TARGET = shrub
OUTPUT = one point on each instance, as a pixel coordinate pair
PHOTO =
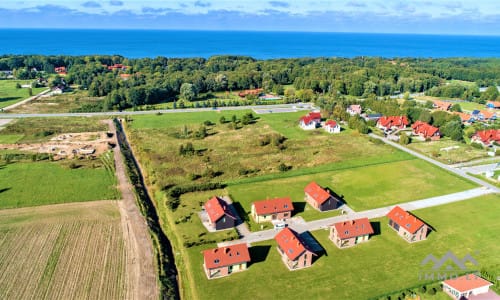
(432, 291)
(283, 168)
(477, 145)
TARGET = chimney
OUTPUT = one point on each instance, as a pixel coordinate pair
(215, 250)
(352, 222)
(227, 250)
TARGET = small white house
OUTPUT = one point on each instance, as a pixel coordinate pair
(354, 109)
(464, 287)
(332, 127)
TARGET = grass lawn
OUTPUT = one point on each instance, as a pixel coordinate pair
(9, 94)
(386, 263)
(363, 187)
(437, 150)
(470, 106)
(30, 130)
(41, 183)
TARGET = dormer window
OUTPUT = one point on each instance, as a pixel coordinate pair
(216, 261)
(286, 206)
(346, 232)
(408, 225)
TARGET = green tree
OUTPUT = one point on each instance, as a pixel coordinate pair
(222, 120)
(456, 107)
(454, 130)
(491, 93)
(188, 91)
(404, 139)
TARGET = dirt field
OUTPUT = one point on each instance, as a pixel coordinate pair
(66, 251)
(68, 145)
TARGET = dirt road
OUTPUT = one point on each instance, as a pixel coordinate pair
(141, 267)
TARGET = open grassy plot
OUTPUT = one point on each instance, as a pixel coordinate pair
(386, 263)
(362, 187)
(40, 183)
(72, 101)
(230, 155)
(43, 129)
(448, 151)
(68, 251)
(9, 94)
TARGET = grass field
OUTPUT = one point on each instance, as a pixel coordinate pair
(437, 150)
(30, 130)
(9, 94)
(386, 263)
(40, 183)
(63, 103)
(69, 251)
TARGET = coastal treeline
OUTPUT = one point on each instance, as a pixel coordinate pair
(155, 80)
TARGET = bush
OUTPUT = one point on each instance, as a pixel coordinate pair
(477, 145)
(432, 291)
(283, 168)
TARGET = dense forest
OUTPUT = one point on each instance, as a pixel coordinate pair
(157, 80)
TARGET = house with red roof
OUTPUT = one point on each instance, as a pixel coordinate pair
(465, 118)
(245, 93)
(295, 252)
(60, 71)
(220, 214)
(469, 286)
(349, 233)
(392, 122)
(426, 131)
(485, 115)
(409, 227)
(310, 121)
(332, 126)
(320, 198)
(224, 261)
(493, 104)
(441, 105)
(277, 209)
(486, 137)
(354, 109)
(117, 67)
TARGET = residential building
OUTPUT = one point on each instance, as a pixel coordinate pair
(349, 233)
(486, 116)
(486, 137)
(277, 209)
(223, 261)
(310, 121)
(371, 117)
(60, 70)
(441, 105)
(332, 127)
(392, 122)
(220, 215)
(465, 118)
(320, 198)
(295, 252)
(407, 225)
(245, 93)
(468, 287)
(426, 131)
(493, 104)
(354, 109)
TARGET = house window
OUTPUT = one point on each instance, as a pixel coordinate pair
(216, 261)
(346, 232)
(285, 215)
(224, 220)
(285, 206)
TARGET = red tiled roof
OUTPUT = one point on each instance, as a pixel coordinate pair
(355, 108)
(60, 70)
(331, 123)
(317, 193)
(353, 228)
(496, 104)
(125, 75)
(467, 283)
(250, 92)
(405, 219)
(488, 136)
(425, 129)
(312, 116)
(393, 121)
(226, 256)
(216, 208)
(442, 104)
(290, 242)
(487, 114)
(463, 116)
(271, 206)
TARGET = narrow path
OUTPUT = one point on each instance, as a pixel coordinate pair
(141, 267)
(7, 108)
(439, 164)
(370, 214)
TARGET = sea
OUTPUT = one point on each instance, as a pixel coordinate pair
(259, 45)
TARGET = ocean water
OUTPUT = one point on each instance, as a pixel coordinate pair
(260, 45)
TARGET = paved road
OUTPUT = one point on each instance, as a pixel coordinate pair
(276, 108)
(476, 162)
(301, 226)
(480, 169)
(439, 164)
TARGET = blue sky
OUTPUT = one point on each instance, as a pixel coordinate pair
(393, 16)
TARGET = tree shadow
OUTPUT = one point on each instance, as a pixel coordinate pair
(259, 253)
(377, 230)
(298, 207)
(5, 99)
(4, 190)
